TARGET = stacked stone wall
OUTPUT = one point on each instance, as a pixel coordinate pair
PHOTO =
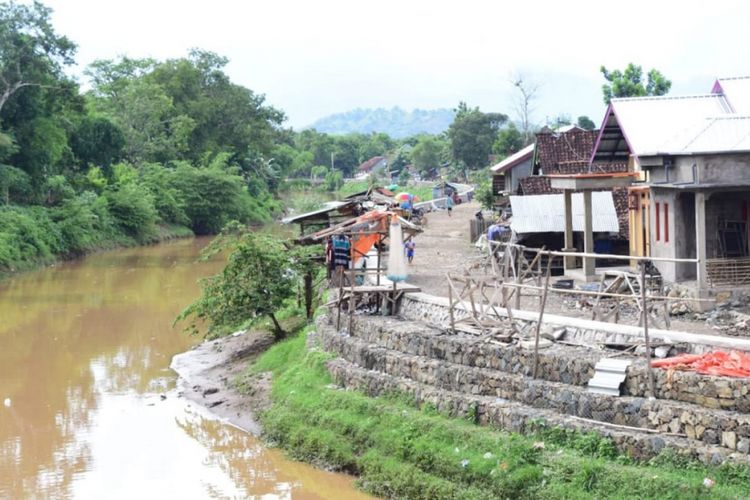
(729, 429)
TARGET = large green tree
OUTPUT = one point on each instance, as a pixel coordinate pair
(630, 83)
(31, 53)
(255, 282)
(472, 135)
(509, 141)
(426, 154)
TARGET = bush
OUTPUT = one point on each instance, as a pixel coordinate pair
(212, 198)
(132, 208)
(27, 235)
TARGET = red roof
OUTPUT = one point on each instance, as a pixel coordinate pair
(370, 164)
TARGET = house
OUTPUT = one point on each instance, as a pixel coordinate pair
(373, 165)
(507, 175)
(540, 219)
(567, 150)
(692, 155)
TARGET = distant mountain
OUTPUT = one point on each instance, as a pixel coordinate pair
(395, 122)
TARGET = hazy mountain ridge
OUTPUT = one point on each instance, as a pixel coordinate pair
(396, 122)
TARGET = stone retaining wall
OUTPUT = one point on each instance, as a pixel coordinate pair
(518, 418)
(575, 366)
(557, 363)
(478, 378)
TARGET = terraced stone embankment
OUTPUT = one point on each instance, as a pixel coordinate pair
(459, 372)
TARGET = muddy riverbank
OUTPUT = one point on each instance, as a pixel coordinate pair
(208, 373)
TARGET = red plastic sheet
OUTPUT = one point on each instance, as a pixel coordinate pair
(718, 363)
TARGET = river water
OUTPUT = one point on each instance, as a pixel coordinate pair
(85, 348)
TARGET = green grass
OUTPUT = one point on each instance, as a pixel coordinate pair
(402, 451)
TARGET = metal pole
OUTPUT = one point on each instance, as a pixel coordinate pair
(650, 372)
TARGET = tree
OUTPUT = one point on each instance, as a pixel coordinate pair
(509, 141)
(32, 54)
(318, 171)
(375, 144)
(346, 152)
(485, 196)
(629, 83)
(255, 282)
(97, 141)
(426, 154)
(334, 180)
(586, 123)
(472, 135)
(524, 104)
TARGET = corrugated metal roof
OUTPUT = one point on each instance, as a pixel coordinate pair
(609, 374)
(710, 135)
(737, 93)
(545, 213)
(649, 123)
(513, 160)
(330, 206)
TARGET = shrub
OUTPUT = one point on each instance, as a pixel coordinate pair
(132, 208)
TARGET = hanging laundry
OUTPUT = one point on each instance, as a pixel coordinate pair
(396, 260)
(342, 251)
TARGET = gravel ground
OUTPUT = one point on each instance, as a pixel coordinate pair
(444, 247)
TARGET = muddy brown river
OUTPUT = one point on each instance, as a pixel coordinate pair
(85, 349)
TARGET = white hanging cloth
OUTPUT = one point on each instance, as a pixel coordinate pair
(396, 261)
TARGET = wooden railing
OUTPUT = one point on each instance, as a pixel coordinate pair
(728, 272)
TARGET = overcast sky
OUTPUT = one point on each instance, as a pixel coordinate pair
(314, 58)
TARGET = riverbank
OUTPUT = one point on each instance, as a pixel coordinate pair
(207, 375)
(400, 450)
(29, 242)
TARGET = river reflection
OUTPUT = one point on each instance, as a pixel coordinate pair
(84, 354)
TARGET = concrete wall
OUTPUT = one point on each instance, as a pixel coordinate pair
(728, 169)
(675, 231)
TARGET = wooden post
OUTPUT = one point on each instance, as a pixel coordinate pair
(450, 303)
(352, 302)
(340, 274)
(644, 308)
(379, 245)
(394, 299)
(308, 293)
(541, 316)
(518, 279)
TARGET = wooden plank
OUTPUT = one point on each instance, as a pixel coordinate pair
(541, 317)
(644, 308)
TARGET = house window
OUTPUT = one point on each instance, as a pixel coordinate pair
(666, 222)
(658, 225)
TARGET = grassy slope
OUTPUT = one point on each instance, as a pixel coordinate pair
(405, 452)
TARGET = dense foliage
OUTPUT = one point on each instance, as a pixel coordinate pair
(262, 273)
(163, 148)
(629, 83)
(154, 149)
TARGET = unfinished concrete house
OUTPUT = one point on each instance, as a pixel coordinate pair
(692, 200)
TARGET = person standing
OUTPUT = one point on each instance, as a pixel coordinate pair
(410, 246)
(449, 205)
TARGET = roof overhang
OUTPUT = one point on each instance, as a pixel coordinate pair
(588, 182)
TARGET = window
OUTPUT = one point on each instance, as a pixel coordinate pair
(666, 222)
(658, 225)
